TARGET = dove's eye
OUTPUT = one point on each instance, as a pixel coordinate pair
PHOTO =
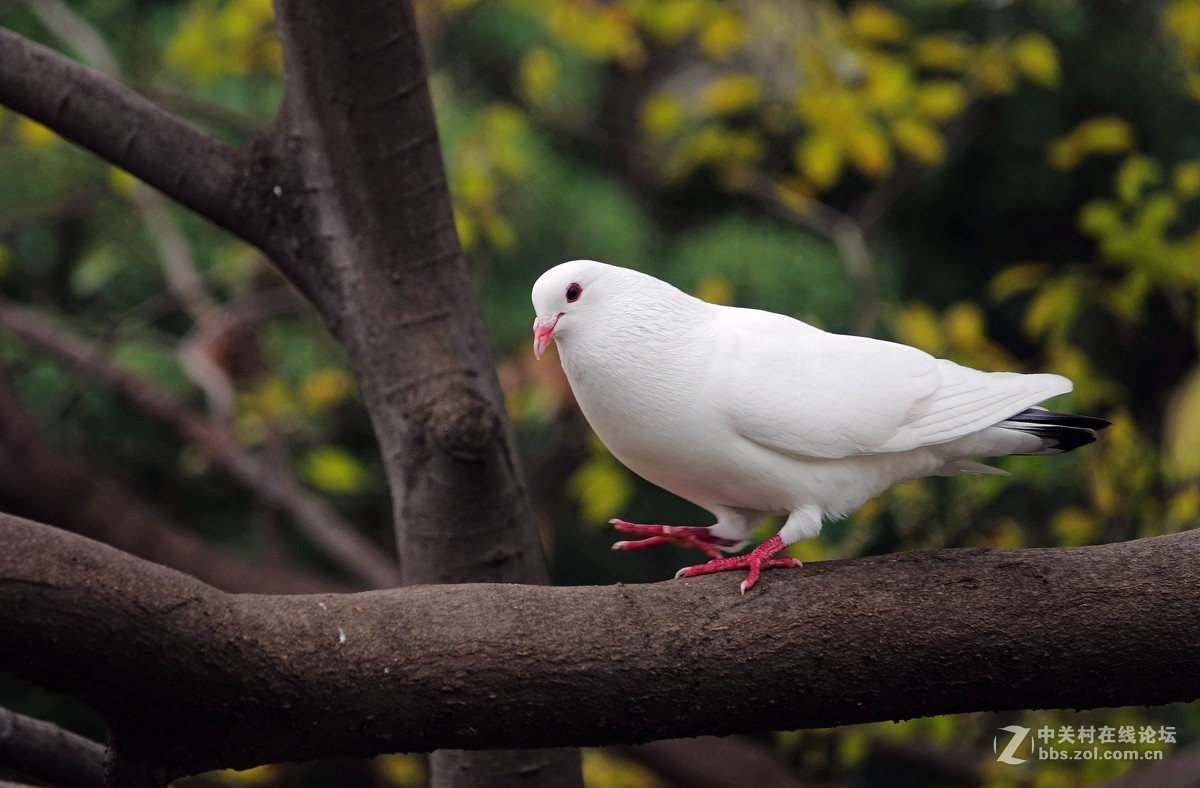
(574, 290)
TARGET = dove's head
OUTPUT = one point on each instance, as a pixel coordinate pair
(566, 297)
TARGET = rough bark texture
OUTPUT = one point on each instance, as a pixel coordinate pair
(191, 678)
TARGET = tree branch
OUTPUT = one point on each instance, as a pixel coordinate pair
(47, 752)
(38, 482)
(132, 132)
(311, 515)
(256, 679)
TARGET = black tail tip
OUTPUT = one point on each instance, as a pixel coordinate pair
(1068, 431)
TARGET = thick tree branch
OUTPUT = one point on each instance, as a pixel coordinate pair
(256, 679)
(132, 132)
(275, 489)
(47, 752)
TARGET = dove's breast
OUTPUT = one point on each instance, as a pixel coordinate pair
(651, 408)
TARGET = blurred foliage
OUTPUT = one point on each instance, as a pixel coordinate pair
(1024, 179)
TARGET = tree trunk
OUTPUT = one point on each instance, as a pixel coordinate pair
(379, 255)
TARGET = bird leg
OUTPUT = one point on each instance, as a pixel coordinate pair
(756, 560)
(700, 538)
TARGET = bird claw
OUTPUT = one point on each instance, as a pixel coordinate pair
(755, 561)
(700, 538)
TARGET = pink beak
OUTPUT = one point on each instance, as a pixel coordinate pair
(543, 332)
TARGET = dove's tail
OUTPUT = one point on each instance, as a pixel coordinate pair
(1060, 432)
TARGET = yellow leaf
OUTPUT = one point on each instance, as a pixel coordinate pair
(662, 115)
(942, 53)
(1184, 506)
(1052, 308)
(1016, 279)
(1181, 431)
(32, 134)
(1073, 527)
(1005, 534)
(1105, 134)
(601, 486)
(1099, 218)
(1133, 176)
(326, 388)
(889, 83)
(919, 140)
(475, 185)
(670, 20)
(539, 74)
(996, 75)
(870, 150)
(334, 470)
(402, 770)
(1126, 297)
(875, 22)
(1036, 57)
(6, 260)
(794, 193)
(732, 93)
(714, 290)
(723, 36)
(1064, 153)
(259, 775)
(274, 398)
(819, 159)
(121, 182)
(964, 326)
(917, 325)
(940, 100)
(500, 233)
(465, 228)
(601, 32)
(602, 768)
(1187, 179)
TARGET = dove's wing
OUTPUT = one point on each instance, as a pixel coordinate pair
(805, 392)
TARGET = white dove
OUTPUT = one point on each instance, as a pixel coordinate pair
(750, 414)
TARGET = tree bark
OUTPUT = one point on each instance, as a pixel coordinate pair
(251, 679)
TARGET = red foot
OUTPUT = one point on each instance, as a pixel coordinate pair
(756, 560)
(679, 535)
